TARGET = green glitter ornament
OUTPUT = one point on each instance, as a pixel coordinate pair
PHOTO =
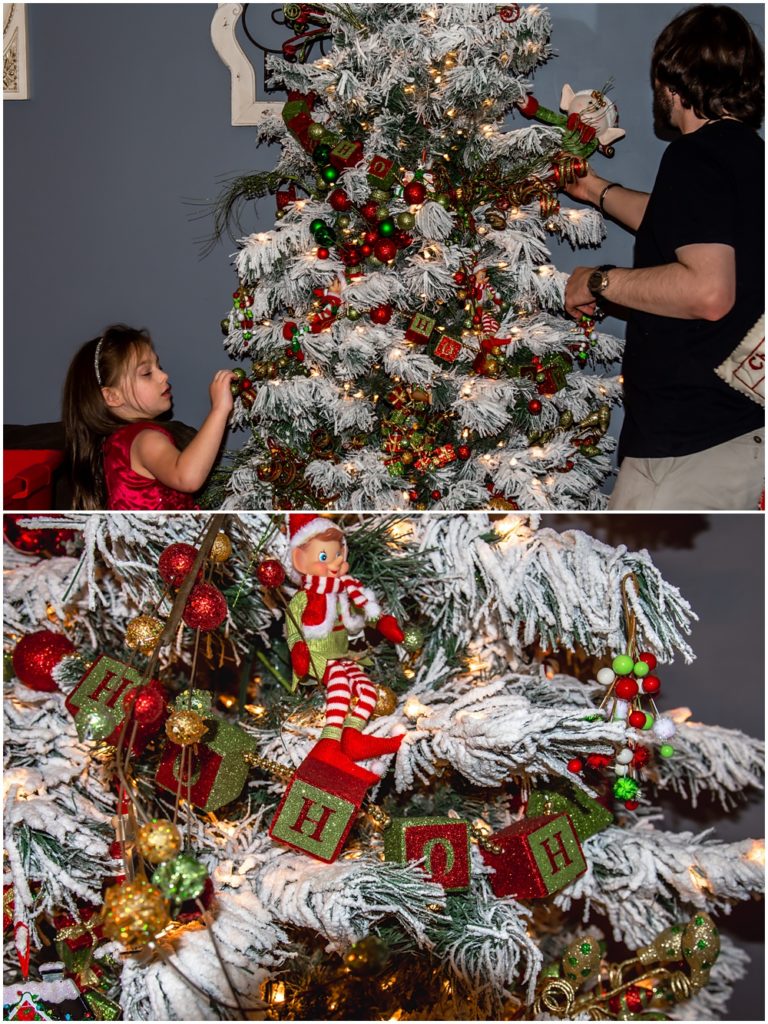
(625, 789)
(405, 221)
(322, 155)
(182, 878)
(97, 723)
(413, 639)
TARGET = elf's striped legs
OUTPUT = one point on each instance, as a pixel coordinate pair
(344, 680)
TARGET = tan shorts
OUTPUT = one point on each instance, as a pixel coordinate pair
(729, 476)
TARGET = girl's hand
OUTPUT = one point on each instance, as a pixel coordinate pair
(221, 392)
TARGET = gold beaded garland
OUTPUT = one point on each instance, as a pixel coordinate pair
(158, 840)
(185, 727)
(143, 632)
(134, 912)
(221, 549)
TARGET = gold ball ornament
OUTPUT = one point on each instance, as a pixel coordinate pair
(143, 632)
(221, 548)
(158, 840)
(581, 960)
(386, 701)
(185, 727)
(134, 912)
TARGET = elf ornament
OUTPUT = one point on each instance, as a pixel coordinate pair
(330, 605)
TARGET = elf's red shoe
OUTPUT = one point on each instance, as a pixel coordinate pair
(359, 747)
(330, 752)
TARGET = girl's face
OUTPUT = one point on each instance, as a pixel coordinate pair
(143, 392)
(321, 558)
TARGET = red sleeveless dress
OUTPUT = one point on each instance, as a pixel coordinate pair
(127, 490)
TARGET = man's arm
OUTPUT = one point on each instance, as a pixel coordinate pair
(701, 285)
(623, 204)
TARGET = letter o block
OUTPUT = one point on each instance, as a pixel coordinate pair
(443, 843)
(538, 856)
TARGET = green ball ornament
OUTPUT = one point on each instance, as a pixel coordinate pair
(353, 314)
(316, 131)
(322, 155)
(382, 212)
(97, 724)
(386, 227)
(396, 469)
(329, 174)
(667, 750)
(443, 200)
(181, 879)
(649, 721)
(625, 789)
(640, 669)
(467, 325)
(405, 221)
(317, 225)
(622, 664)
(368, 957)
(380, 195)
(413, 639)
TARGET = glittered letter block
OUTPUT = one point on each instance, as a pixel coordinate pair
(103, 686)
(587, 815)
(218, 769)
(381, 172)
(346, 154)
(448, 349)
(538, 856)
(318, 810)
(420, 328)
(442, 842)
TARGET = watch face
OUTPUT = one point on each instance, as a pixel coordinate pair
(595, 281)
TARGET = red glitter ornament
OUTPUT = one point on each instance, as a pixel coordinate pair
(148, 704)
(176, 563)
(598, 761)
(270, 573)
(206, 607)
(36, 656)
(369, 210)
(464, 452)
(436, 495)
(381, 314)
(640, 758)
(414, 193)
(385, 250)
(340, 201)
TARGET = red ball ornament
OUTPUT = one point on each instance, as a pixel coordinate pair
(463, 452)
(270, 573)
(385, 250)
(631, 805)
(534, 407)
(575, 765)
(651, 684)
(289, 330)
(148, 704)
(351, 255)
(414, 193)
(176, 563)
(340, 201)
(598, 761)
(436, 495)
(35, 657)
(413, 495)
(381, 314)
(371, 237)
(366, 250)
(636, 719)
(649, 659)
(323, 253)
(369, 210)
(206, 607)
(626, 689)
(459, 277)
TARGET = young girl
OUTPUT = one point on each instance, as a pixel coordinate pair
(119, 457)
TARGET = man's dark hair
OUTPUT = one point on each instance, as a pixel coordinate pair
(713, 60)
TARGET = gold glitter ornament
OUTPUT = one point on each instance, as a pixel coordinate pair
(581, 960)
(665, 948)
(158, 840)
(701, 944)
(143, 632)
(221, 549)
(134, 912)
(386, 701)
(185, 727)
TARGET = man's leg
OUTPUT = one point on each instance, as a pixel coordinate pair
(728, 477)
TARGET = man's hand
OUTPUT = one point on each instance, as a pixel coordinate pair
(578, 298)
(300, 658)
(588, 188)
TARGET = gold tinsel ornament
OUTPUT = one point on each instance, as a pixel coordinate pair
(222, 548)
(185, 727)
(134, 912)
(143, 632)
(158, 840)
(386, 701)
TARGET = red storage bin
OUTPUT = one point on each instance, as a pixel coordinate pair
(28, 477)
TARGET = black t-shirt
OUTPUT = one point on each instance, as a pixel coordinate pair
(709, 189)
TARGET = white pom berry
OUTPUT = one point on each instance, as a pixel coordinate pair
(625, 756)
(621, 710)
(664, 728)
(605, 676)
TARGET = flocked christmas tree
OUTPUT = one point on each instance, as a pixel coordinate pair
(178, 844)
(400, 329)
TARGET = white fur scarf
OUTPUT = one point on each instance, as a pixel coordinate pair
(324, 592)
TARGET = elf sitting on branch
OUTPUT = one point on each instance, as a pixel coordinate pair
(320, 617)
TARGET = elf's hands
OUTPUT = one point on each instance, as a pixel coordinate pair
(300, 658)
(389, 628)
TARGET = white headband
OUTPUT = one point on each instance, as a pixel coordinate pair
(96, 358)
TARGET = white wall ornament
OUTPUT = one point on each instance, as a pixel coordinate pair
(246, 107)
(15, 56)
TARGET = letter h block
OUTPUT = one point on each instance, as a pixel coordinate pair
(535, 857)
(318, 810)
(103, 686)
(443, 844)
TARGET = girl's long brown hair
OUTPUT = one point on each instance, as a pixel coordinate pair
(86, 416)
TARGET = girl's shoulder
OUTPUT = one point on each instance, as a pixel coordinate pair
(125, 436)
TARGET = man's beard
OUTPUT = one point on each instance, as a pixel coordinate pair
(663, 105)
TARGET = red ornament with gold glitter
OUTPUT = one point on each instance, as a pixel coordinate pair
(36, 656)
(206, 607)
(176, 562)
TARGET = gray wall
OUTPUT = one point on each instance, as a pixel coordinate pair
(130, 115)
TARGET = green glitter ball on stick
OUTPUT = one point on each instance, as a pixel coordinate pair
(413, 639)
(182, 878)
(625, 789)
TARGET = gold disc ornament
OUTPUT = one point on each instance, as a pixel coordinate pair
(143, 632)
(221, 549)
(134, 912)
(185, 727)
(158, 840)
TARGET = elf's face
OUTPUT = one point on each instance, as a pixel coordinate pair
(321, 558)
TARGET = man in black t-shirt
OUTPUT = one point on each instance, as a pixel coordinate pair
(690, 440)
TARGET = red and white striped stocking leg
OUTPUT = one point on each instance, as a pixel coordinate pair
(354, 743)
(328, 748)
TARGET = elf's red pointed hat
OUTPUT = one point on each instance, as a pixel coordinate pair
(303, 526)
